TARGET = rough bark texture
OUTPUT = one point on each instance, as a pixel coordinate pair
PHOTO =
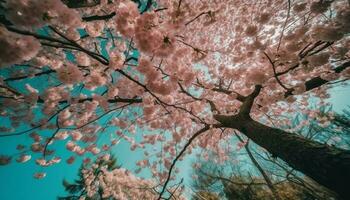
(327, 165)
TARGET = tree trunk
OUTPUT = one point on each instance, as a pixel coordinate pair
(329, 166)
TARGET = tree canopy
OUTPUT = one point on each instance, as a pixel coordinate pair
(183, 74)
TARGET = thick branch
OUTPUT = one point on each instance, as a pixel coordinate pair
(99, 17)
(249, 101)
(318, 81)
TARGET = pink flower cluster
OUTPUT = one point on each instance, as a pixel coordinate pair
(118, 184)
(125, 21)
(16, 48)
(70, 73)
(46, 163)
(37, 13)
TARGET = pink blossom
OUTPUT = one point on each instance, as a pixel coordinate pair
(55, 160)
(299, 7)
(95, 80)
(125, 20)
(256, 76)
(251, 30)
(35, 13)
(94, 29)
(23, 158)
(20, 147)
(19, 48)
(264, 18)
(319, 59)
(330, 76)
(69, 74)
(116, 60)
(5, 160)
(299, 89)
(143, 163)
(70, 160)
(167, 163)
(95, 150)
(62, 135)
(33, 94)
(86, 160)
(36, 147)
(42, 162)
(113, 91)
(133, 146)
(76, 135)
(82, 59)
(70, 145)
(39, 175)
(327, 33)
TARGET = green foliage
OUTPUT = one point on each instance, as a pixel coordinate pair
(77, 188)
(205, 195)
(251, 190)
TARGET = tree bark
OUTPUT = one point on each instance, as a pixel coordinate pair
(329, 166)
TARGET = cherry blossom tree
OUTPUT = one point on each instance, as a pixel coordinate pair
(191, 72)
